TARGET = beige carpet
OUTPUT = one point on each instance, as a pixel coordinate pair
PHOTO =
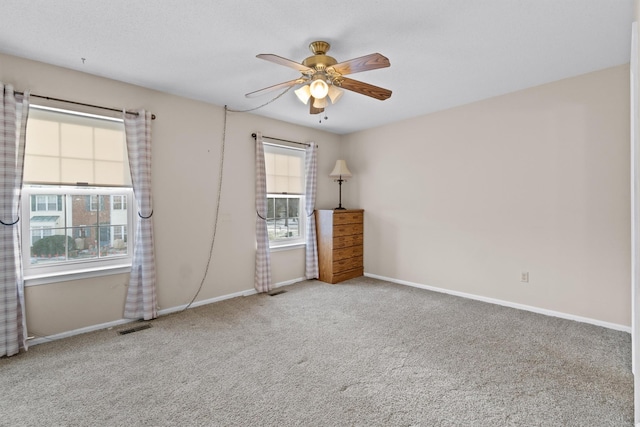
(361, 353)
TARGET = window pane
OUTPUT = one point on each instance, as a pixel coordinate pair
(46, 219)
(281, 208)
(49, 245)
(294, 208)
(104, 240)
(286, 222)
(116, 243)
(81, 241)
(281, 228)
(85, 240)
(116, 213)
(271, 229)
(83, 211)
(271, 207)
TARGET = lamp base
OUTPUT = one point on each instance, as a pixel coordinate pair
(339, 209)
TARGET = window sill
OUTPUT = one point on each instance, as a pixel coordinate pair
(287, 247)
(43, 279)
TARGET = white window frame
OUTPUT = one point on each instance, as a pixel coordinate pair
(292, 242)
(75, 268)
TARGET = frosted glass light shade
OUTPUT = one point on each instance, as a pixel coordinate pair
(319, 88)
(340, 170)
(335, 94)
(303, 94)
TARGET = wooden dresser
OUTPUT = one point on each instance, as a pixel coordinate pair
(340, 237)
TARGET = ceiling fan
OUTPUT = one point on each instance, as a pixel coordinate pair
(323, 76)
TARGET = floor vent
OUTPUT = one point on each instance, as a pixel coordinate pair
(274, 293)
(136, 329)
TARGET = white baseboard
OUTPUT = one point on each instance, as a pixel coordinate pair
(290, 282)
(538, 310)
(163, 312)
(67, 334)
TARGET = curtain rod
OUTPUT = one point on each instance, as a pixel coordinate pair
(283, 140)
(153, 116)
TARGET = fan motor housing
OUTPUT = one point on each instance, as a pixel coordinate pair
(319, 62)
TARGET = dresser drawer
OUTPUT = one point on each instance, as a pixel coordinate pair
(346, 241)
(350, 252)
(347, 264)
(347, 230)
(345, 275)
(347, 218)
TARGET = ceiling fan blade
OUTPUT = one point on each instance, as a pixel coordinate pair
(365, 89)
(284, 61)
(364, 63)
(274, 87)
(312, 109)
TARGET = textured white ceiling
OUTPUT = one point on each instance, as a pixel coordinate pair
(443, 53)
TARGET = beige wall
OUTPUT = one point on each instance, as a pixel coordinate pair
(466, 199)
(187, 139)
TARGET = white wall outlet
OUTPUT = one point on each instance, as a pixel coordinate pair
(524, 277)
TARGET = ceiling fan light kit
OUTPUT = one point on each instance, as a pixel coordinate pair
(322, 77)
(303, 94)
(318, 87)
(335, 94)
(320, 102)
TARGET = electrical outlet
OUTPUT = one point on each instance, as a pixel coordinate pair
(524, 277)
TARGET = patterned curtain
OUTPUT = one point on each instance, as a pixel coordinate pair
(311, 172)
(141, 295)
(263, 259)
(13, 126)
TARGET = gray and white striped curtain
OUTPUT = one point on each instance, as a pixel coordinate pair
(13, 126)
(141, 299)
(263, 258)
(311, 173)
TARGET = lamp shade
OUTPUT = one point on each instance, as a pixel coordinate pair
(303, 94)
(335, 94)
(320, 103)
(319, 88)
(340, 170)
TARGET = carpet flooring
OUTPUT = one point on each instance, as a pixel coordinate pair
(361, 353)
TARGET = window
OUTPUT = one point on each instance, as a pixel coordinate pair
(285, 194)
(119, 203)
(45, 203)
(76, 191)
(283, 217)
